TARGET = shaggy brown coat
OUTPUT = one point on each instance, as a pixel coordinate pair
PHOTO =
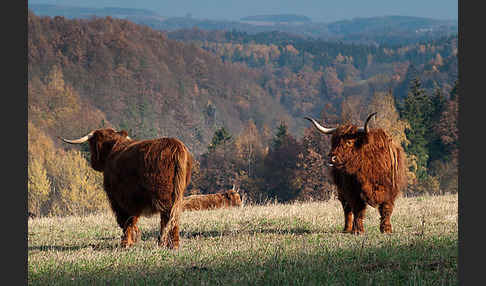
(367, 168)
(142, 177)
(229, 198)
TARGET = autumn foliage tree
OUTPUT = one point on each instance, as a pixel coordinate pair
(446, 168)
(61, 182)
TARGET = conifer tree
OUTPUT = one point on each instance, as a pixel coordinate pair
(416, 110)
(220, 137)
(280, 135)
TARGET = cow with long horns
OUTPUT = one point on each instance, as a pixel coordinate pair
(368, 169)
(141, 177)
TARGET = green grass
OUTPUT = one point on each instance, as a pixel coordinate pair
(275, 244)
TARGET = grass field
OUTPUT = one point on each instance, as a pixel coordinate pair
(274, 244)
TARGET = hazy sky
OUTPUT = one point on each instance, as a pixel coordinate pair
(317, 10)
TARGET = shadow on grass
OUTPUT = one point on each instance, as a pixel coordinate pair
(106, 243)
(94, 246)
(219, 233)
(429, 262)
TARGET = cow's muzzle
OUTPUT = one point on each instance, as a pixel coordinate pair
(333, 161)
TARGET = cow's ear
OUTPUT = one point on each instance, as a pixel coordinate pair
(364, 138)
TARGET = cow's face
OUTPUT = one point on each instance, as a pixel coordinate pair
(346, 141)
(233, 197)
(346, 144)
(101, 144)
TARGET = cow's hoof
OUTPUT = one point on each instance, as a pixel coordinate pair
(357, 232)
(386, 230)
(168, 243)
(126, 244)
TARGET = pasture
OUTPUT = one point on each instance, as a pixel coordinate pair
(272, 244)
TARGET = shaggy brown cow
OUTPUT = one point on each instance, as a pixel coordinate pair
(367, 168)
(141, 177)
(230, 198)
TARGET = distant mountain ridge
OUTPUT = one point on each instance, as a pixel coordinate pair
(387, 23)
(278, 18)
(373, 30)
(86, 12)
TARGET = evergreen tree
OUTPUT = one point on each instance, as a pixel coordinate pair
(280, 136)
(416, 109)
(220, 137)
(217, 166)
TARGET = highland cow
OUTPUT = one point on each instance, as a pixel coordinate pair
(141, 177)
(229, 198)
(367, 168)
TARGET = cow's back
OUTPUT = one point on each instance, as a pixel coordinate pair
(140, 175)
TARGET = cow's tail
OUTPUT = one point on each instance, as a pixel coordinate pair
(181, 179)
(398, 164)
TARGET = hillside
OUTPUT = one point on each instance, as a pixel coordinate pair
(328, 72)
(143, 82)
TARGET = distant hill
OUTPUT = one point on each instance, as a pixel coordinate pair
(82, 12)
(388, 23)
(391, 30)
(280, 18)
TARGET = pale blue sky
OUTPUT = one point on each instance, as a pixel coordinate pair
(317, 10)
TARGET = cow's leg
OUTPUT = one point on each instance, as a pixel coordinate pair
(359, 210)
(131, 233)
(164, 218)
(386, 210)
(171, 240)
(136, 234)
(348, 216)
(174, 239)
(127, 223)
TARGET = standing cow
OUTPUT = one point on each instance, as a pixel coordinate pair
(141, 177)
(367, 168)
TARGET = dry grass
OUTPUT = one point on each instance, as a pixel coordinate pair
(296, 243)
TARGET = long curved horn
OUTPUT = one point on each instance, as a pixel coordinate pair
(321, 128)
(365, 128)
(80, 140)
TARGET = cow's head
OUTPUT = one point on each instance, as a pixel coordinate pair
(101, 142)
(346, 141)
(233, 197)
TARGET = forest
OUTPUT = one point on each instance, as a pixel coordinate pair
(237, 100)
